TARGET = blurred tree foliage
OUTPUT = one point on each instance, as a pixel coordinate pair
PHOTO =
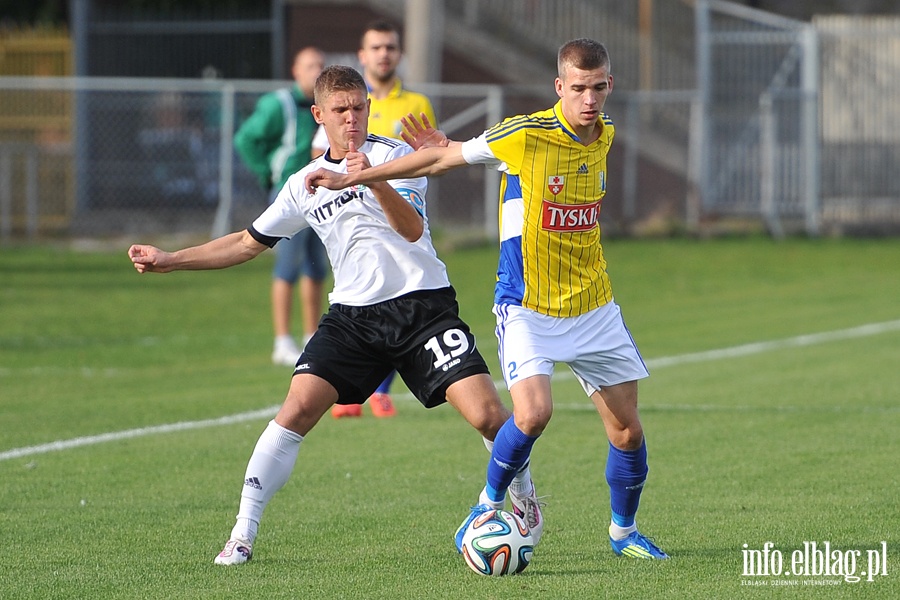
(16, 13)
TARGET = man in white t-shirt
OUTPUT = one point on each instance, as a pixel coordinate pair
(392, 306)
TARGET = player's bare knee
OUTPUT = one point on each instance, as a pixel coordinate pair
(628, 438)
(488, 423)
(533, 422)
(299, 414)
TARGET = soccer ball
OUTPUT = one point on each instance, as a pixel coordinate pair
(497, 543)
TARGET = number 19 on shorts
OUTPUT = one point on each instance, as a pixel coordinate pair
(447, 348)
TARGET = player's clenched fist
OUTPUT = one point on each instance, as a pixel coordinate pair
(356, 161)
(149, 259)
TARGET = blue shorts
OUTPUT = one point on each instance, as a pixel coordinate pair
(301, 255)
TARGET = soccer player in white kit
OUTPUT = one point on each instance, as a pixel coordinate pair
(392, 306)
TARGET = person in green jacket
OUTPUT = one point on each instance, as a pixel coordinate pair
(274, 143)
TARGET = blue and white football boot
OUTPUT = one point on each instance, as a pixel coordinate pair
(476, 511)
(637, 546)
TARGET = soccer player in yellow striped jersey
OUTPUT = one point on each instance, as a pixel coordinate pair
(553, 298)
(551, 260)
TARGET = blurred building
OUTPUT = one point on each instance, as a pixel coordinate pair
(724, 113)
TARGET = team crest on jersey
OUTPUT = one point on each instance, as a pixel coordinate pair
(555, 184)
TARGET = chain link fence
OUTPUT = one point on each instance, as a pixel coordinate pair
(722, 112)
(114, 156)
(860, 126)
(110, 156)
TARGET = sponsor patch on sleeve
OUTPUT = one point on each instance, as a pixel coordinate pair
(414, 198)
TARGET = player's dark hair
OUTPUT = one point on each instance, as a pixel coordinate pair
(584, 54)
(381, 26)
(337, 78)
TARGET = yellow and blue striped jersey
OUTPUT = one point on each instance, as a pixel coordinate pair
(385, 113)
(551, 259)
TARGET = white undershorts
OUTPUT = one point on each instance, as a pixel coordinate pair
(597, 346)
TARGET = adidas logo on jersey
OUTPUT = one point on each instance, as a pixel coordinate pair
(582, 170)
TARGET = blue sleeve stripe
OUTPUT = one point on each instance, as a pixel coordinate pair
(378, 139)
(501, 132)
(520, 121)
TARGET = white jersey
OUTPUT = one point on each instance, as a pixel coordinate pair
(371, 262)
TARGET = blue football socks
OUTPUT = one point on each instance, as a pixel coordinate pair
(626, 472)
(512, 447)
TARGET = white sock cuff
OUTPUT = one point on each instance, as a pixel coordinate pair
(521, 484)
(245, 529)
(483, 499)
(618, 533)
(280, 437)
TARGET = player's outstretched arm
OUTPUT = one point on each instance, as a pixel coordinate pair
(401, 216)
(421, 163)
(226, 251)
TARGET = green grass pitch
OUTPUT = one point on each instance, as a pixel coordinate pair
(790, 439)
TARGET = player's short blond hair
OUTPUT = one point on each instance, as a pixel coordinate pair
(584, 54)
(338, 78)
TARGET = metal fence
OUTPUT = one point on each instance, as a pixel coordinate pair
(774, 121)
(113, 156)
(109, 156)
(860, 121)
(757, 78)
(799, 128)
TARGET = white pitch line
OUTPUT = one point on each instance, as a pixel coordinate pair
(760, 347)
(133, 433)
(664, 361)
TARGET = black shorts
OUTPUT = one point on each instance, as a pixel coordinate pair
(419, 334)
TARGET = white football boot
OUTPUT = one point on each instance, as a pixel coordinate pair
(236, 552)
(528, 507)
